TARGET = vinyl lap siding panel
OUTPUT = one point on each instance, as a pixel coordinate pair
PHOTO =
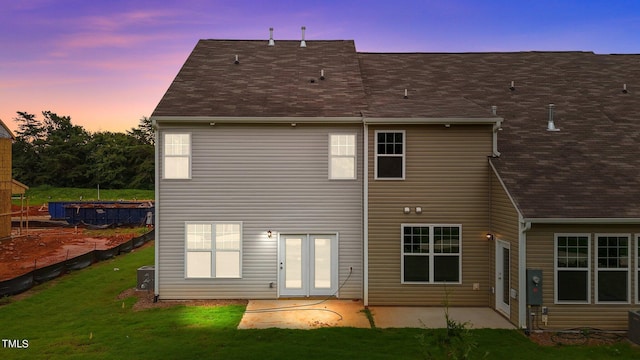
(540, 255)
(504, 226)
(447, 174)
(269, 177)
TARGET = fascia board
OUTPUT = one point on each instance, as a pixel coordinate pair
(256, 119)
(438, 121)
(575, 221)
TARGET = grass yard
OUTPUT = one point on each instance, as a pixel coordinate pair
(79, 316)
(43, 194)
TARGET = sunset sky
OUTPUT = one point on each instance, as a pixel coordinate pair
(107, 63)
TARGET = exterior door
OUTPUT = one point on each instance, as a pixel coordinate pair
(503, 278)
(308, 265)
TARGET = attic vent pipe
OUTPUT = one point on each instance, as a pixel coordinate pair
(494, 110)
(513, 85)
(550, 125)
(624, 88)
(303, 43)
(271, 42)
(237, 61)
(406, 94)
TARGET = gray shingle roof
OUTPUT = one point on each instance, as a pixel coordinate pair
(588, 169)
(269, 81)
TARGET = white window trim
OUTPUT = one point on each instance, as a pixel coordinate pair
(164, 155)
(556, 269)
(213, 249)
(404, 153)
(597, 268)
(355, 157)
(431, 254)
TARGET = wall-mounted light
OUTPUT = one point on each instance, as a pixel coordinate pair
(418, 210)
(489, 236)
(269, 234)
(406, 210)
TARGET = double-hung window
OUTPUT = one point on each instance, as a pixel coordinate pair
(177, 156)
(572, 270)
(390, 150)
(431, 253)
(213, 249)
(612, 272)
(342, 156)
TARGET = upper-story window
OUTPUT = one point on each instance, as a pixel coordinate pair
(390, 150)
(342, 156)
(177, 156)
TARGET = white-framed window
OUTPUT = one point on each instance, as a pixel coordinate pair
(213, 249)
(431, 253)
(342, 156)
(177, 156)
(613, 258)
(572, 254)
(389, 154)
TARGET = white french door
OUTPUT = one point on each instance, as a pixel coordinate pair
(503, 278)
(307, 264)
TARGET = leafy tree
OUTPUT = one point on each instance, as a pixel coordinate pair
(145, 132)
(55, 152)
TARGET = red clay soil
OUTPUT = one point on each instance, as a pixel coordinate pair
(39, 247)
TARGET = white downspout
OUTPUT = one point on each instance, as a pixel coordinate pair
(523, 227)
(496, 127)
(366, 213)
(156, 272)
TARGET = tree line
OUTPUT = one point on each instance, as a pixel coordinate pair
(53, 151)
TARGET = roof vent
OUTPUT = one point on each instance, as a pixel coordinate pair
(406, 94)
(624, 88)
(550, 125)
(271, 42)
(237, 61)
(303, 43)
(513, 86)
(322, 74)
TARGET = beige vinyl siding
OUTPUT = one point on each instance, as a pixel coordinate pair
(504, 226)
(447, 174)
(269, 177)
(540, 255)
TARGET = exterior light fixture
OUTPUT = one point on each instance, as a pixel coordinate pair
(489, 236)
(269, 234)
(406, 210)
(418, 210)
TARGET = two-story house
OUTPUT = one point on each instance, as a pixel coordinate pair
(301, 169)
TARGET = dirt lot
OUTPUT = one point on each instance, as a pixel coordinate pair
(41, 246)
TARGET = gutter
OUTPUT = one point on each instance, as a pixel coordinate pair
(435, 120)
(587, 221)
(212, 120)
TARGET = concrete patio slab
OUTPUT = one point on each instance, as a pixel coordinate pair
(433, 317)
(303, 314)
(313, 314)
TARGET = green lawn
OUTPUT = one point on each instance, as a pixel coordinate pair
(79, 316)
(43, 194)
